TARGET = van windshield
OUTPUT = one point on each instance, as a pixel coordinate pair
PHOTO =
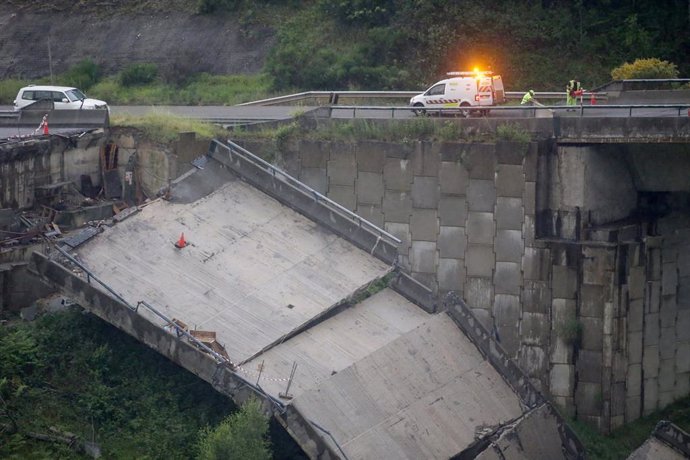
(75, 95)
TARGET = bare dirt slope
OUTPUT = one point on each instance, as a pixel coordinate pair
(118, 33)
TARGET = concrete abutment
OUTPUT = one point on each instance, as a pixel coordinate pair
(571, 255)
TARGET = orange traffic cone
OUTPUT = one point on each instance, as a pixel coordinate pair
(592, 99)
(181, 243)
(45, 126)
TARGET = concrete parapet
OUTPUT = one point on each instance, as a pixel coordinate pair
(456, 308)
(281, 189)
(221, 376)
(421, 295)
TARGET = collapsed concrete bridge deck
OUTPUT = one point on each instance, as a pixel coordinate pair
(380, 377)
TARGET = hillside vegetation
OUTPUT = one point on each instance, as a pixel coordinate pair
(397, 44)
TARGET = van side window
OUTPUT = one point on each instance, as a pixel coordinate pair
(40, 95)
(28, 95)
(436, 90)
(58, 96)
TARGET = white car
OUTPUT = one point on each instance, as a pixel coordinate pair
(63, 98)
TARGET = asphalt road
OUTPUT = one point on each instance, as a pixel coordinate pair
(228, 115)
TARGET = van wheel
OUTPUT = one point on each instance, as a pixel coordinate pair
(419, 112)
(465, 113)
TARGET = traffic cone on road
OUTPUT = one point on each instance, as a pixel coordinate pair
(181, 243)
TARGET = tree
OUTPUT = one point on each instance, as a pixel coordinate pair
(645, 68)
(242, 435)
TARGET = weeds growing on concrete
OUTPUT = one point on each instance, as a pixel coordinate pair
(513, 133)
(164, 128)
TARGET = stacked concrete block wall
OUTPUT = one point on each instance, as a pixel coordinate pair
(618, 295)
(656, 303)
(465, 213)
(594, 315)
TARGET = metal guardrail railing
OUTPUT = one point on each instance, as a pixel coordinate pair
(333, 97)
(219, 359)
(306, 190)
(581, 109)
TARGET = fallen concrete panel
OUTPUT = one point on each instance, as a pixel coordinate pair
(653, 449)
(335, 344)
(534, 436)
(668, 442)
(253, 270)
(427, 394)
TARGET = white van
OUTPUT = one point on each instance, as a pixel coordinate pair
(463, 89)
(62, 97)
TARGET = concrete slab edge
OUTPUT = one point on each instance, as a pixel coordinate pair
(414, 291)
(530, 397)
(222, 378)
(671, 435)
(333, 310)
(306, 205)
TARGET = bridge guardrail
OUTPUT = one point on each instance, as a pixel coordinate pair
(219, 359)
(333, 97)
(305, 189)
(581, 109)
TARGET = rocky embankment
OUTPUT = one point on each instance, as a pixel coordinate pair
(35, 38)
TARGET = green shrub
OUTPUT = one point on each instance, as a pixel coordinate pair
(138, 74)
(9, 89)
(645, 68)
(570, 331)
(83, 75)
(240, 435)
(512, 133)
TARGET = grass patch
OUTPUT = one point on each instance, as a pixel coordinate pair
(401, 131)
(620, 444)
(9, 89)
(165, 128)
(203, 89)
(512, 133)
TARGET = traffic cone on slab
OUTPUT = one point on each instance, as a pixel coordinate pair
(181, 243)
(45, 125)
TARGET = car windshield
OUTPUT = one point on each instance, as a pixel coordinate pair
(75, 95)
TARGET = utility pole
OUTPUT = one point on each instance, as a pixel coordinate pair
(50, 61)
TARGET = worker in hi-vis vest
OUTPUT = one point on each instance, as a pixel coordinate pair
(528, 98)
(572, 91)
